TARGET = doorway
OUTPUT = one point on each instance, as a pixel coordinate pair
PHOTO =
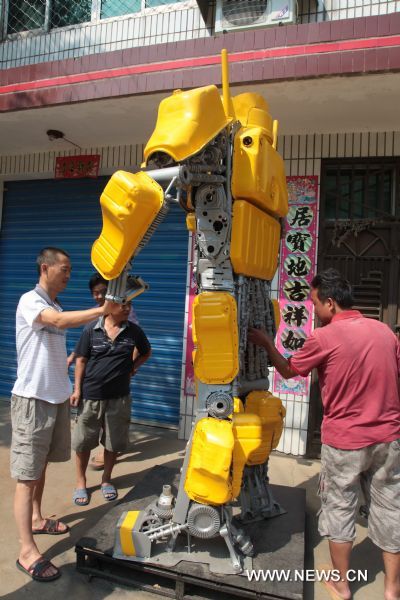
(359, 234)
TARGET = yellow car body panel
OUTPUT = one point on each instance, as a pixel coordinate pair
(255, 241)
(215, 335)
(271, 412)
(187, 121)
(252, 110)
(277, 313)
(249, 448)
(258, 172)
(237, 405)
(129, 204)
(191, 222)
(208, 479)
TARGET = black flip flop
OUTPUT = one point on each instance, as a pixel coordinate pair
(50, 528)
(37, 568)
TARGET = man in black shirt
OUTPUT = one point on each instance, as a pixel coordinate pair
(108, 353)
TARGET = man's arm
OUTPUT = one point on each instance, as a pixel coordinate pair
(142, 350)
(139, 360)
(71, 318)
(80, 368)
(260, 338)
(70, 359)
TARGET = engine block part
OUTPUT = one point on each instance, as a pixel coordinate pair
(219, 405)
(180, 174)
(213, 222)
(210, 277)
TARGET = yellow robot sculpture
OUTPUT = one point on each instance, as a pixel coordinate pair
(218, 159)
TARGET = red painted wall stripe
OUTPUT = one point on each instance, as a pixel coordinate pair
(301, 50)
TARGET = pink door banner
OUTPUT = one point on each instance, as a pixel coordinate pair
(296, 270)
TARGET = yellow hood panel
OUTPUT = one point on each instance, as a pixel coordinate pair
(187, 121)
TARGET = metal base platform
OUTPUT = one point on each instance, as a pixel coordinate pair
(278, 542)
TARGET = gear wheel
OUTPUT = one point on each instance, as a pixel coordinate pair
(151, 522)
(162, 512)
(203, 521)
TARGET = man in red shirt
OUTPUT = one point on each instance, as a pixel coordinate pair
(358, 363)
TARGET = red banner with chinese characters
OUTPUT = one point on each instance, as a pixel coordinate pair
(74, 167)
(297, 268)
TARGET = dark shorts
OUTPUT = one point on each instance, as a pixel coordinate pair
(41, 433)
(108, 418)
(377, 468)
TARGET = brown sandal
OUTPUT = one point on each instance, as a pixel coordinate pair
(50, 527)
(37, 568)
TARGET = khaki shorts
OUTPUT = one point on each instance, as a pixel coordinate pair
(111, 418)
(377, 469)
(41, 433)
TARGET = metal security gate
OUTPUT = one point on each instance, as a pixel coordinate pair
(360, 236)
(67, 214)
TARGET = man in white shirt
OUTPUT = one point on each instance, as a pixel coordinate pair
(40, 403)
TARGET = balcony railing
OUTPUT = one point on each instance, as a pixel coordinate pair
(34, 31)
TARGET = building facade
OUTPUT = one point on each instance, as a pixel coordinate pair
(96, 71)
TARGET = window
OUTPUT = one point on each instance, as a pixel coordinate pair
(70, 13)
(116, 8)
(26, 14)
(358, 191)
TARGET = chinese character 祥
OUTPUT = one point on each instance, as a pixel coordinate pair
(295, 315)
(297, 265)
(298, 241)
(297, 290)
(293, 340)
(300, 216)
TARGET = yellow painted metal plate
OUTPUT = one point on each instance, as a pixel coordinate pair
(277, 313)
(238, 405)
(258, 172)
(208, 476)
(186, 122)
(125, 533)
(252, 110)
(191, 221)
(129, 204)
(255, 241)
(215, 333)
(249, 447)
(272, 413)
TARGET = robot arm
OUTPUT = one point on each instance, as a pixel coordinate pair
(133, 205)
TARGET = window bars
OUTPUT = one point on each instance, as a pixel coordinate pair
(38, 16)
(43, 15)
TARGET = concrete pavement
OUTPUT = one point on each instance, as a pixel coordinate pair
(149, 446)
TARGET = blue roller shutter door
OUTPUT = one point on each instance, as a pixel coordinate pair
(67, 214)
